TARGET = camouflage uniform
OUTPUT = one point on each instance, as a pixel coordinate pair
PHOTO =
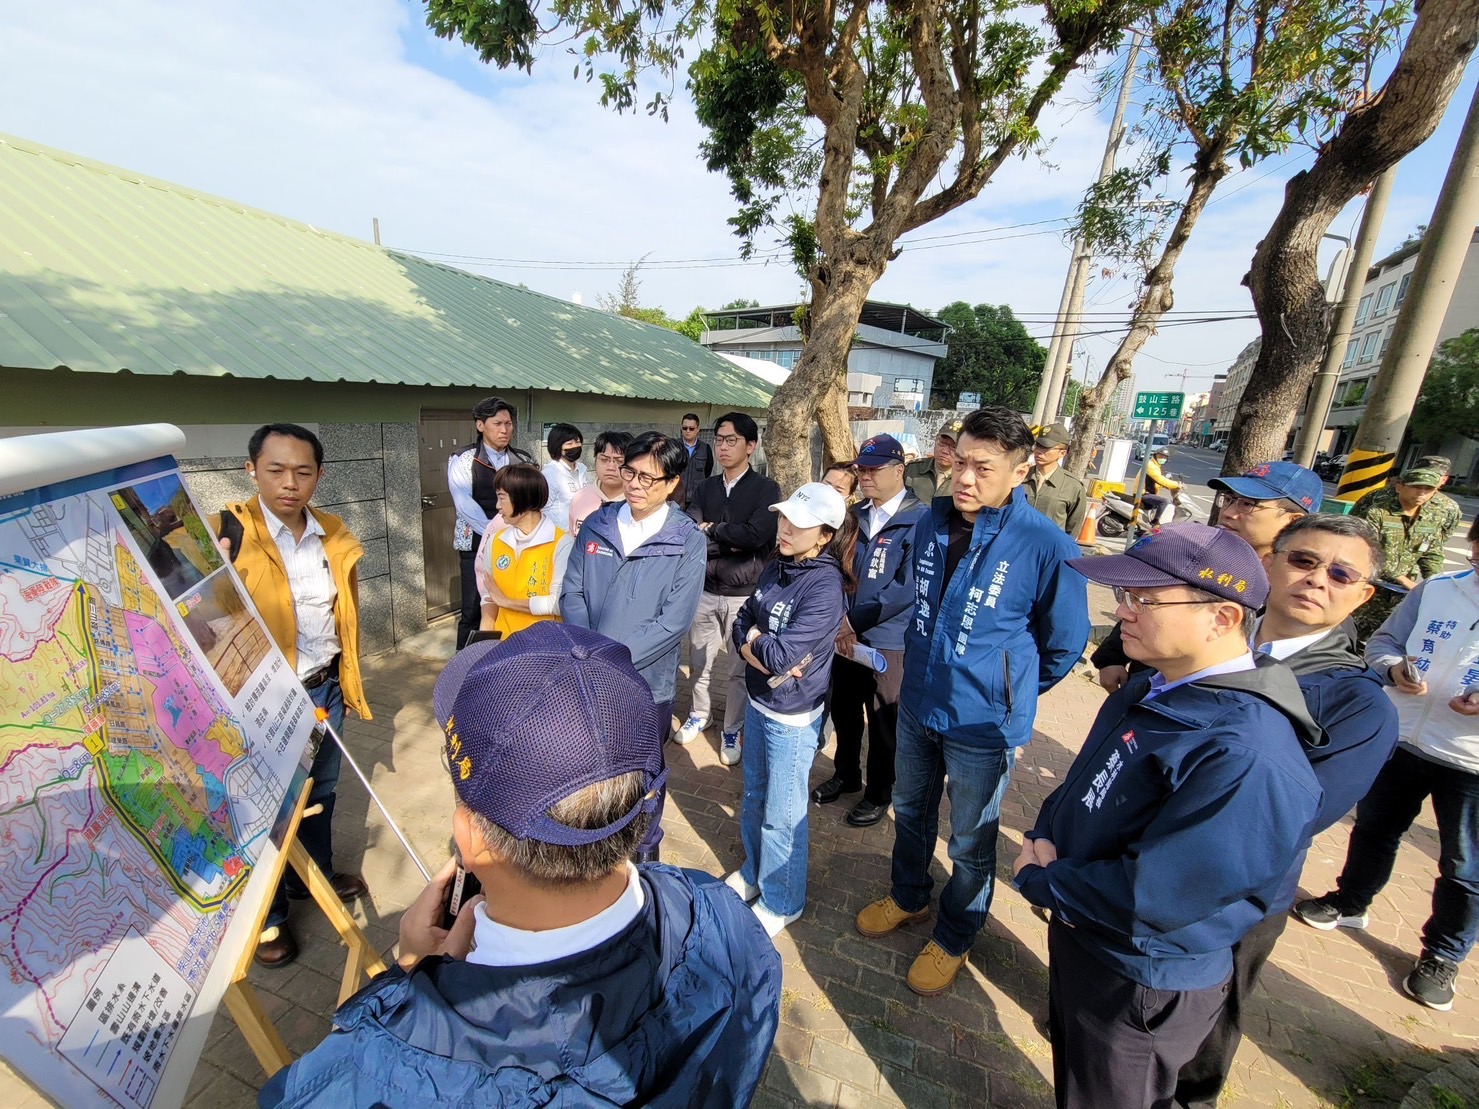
(1413, 547)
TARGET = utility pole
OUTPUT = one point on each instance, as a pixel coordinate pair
(1441, 257)
(375, 225)
(1317, 408)
(1060, 346)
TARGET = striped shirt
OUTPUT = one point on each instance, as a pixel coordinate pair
(312, 584)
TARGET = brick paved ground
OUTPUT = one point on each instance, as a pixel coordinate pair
(1330, 1029)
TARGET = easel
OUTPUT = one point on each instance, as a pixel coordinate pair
(241, 1000)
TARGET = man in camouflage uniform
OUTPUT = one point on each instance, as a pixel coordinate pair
(1414, 524)
(1440, 498)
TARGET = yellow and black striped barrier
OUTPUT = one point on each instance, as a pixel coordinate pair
(1364, 471)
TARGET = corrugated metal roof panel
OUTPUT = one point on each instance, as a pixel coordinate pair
(103, 270)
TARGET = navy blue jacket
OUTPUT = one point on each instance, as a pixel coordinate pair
(646, 601)
(679, 1009)
(1011, 625)
(798, 607)
(1178, 822)
(883, 605)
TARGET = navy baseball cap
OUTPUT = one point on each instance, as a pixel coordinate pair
(1202, 557)
(1276, 481)
(879, 451)
(532, 719)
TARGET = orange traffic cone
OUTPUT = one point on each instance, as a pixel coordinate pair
(1089, 533)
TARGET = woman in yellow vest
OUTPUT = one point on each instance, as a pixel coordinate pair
(526, 556)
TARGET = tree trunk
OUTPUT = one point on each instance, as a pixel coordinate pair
(1208, 170)
(1285, 278)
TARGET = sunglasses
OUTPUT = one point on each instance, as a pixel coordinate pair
(1304, 562)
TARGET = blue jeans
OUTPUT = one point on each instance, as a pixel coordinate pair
(777, 762)
(1383, 817)
(978, 780)
(314, 832)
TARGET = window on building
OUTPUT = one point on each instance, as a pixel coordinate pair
(1386, 340)
(1368, 346)
(1350, 352)
(908, 385)
(1402, 290)
(1384, 299)
(1362, 309)
(787, 359)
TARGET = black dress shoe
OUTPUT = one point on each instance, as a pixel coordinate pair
(866, 814)
(349, 887)
(648, 856)
(832, 789)
(280, 950)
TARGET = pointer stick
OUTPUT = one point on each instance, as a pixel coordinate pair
(323, 718)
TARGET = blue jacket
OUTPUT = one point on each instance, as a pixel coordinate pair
(1178, 822)
(679, 1009)
(798, 607)
(883, 605)
(645, 601)
(1010, 626)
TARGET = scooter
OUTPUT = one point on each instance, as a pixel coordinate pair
(1122, 514)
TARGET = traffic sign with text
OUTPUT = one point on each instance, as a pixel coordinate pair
(1158, 406)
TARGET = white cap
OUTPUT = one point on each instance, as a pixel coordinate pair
(815, 503)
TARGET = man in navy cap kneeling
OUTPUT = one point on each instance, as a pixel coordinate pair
(1176, 825)
(581, 978)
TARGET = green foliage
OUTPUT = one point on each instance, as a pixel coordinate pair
(990, 353)
(1449, 401)
(739, 303)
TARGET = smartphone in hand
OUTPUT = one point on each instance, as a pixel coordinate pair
(465, 886)
(1410, 672)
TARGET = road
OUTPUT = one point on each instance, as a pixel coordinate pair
(1201, 466)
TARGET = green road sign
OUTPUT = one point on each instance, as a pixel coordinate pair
(1158, 406)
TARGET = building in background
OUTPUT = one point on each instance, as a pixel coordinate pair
(128, 300)
(891, 364)
(1121, 404)
(1234, 383)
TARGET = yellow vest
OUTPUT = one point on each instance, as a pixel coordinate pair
(527, 574)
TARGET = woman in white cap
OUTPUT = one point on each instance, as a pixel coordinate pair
(785, 633)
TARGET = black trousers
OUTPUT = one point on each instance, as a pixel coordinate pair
(858, 693)
(1202, 1079)
(1115, 1042)
(472, 600)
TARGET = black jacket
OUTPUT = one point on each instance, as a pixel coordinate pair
(743, 535)
(700, 466)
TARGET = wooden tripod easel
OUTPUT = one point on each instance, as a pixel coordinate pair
(241, 1000)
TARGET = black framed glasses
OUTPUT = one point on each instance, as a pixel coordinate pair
(728, 440)
(1243, 504)
(1306, 561)
(1136, 603)
(646, 481)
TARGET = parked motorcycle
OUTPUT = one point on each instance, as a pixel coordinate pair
(1123, 513)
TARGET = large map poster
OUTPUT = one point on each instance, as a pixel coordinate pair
(149, 733)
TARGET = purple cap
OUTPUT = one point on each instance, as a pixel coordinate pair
(532, 719)
(879, 451)
(1202, 557)
(1276, 481)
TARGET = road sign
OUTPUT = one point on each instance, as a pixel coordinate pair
(1158, 406)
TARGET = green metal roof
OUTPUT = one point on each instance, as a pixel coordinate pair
(103, 270)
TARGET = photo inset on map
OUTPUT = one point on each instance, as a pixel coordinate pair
(229, 635)
(171, 535)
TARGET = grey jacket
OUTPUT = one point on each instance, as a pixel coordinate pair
(647, 600)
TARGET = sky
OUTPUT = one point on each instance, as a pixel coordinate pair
(337, 112)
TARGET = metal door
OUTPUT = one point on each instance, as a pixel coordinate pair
(442, 433)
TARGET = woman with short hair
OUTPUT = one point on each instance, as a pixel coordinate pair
(522, 562)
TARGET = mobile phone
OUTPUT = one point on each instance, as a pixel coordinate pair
(464, 887)
(1410, 671)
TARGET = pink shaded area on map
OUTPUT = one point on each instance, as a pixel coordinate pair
(182, 710)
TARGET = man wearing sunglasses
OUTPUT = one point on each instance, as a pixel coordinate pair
(1175, 827)
(1320, 571)
(1254, 507)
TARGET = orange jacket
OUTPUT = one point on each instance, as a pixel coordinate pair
(262, 571)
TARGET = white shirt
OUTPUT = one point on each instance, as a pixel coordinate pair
(498, 945)
(1283, 648)
(729, 485)
(636, 532)
(564, 482)
(459, 483)
(312, 584)
(1159, 685)
(518, 541)
(881, 514)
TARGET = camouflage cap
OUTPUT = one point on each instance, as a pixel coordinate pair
(1433, 462)
(1422, 475)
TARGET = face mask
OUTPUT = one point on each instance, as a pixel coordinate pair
(572, 454)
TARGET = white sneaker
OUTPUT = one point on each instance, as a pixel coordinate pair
(692, 728)
(772, 922)
(737, 883)
(729, 748)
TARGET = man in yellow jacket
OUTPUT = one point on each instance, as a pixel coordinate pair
(299, 566)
